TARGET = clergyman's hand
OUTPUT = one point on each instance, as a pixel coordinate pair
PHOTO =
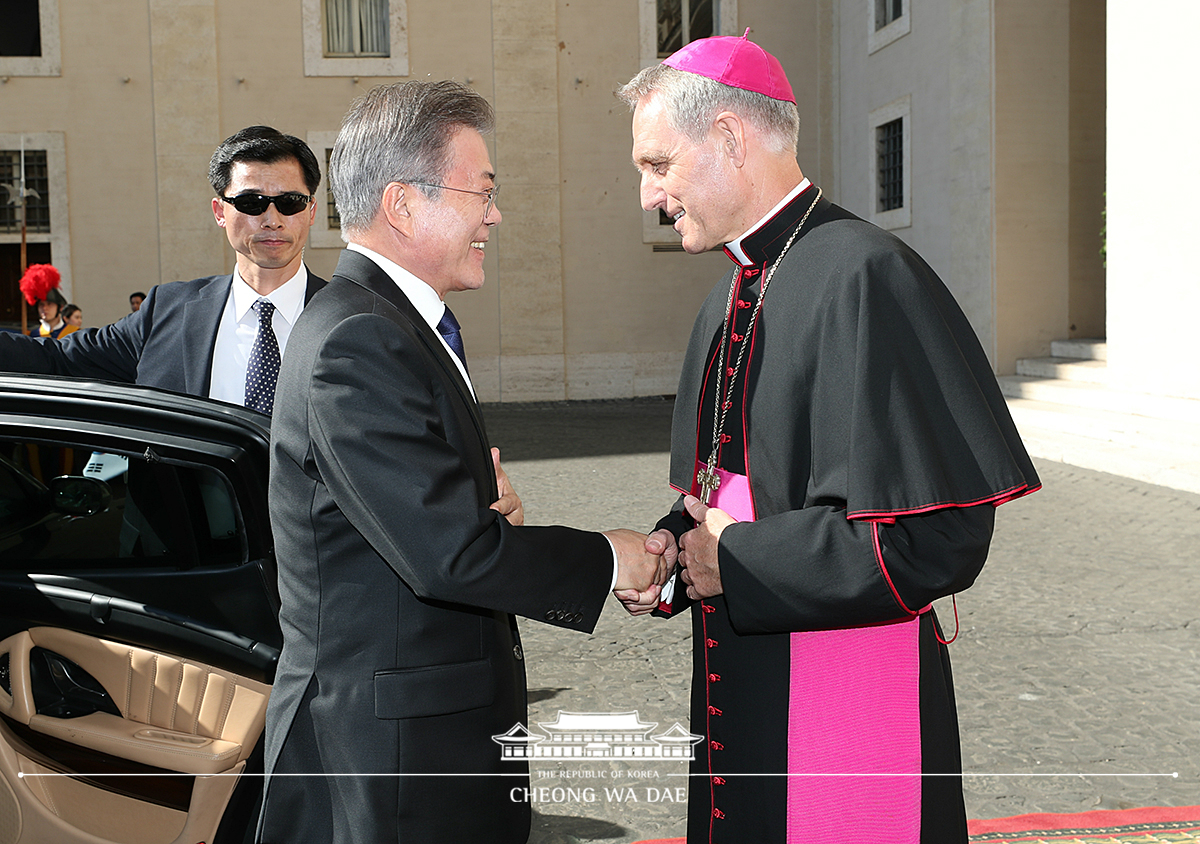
(698, 549)
(662, 543)
(636, 567)
(509, 503)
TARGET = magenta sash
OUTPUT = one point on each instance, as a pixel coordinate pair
(854, 726)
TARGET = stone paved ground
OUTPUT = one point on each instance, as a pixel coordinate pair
(1079, 653)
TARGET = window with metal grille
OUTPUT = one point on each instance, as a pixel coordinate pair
(889, 146)
(37, 191)
(357, 29)
(681, 22)
(887, 11)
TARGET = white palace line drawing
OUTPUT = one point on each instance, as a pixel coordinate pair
(598, 735)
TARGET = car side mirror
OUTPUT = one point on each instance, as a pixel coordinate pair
(76, 496)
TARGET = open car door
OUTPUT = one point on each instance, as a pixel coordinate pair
(138, 629)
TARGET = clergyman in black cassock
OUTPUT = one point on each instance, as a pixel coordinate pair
(857, 444)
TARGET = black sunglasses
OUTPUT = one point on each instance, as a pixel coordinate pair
(254, 204)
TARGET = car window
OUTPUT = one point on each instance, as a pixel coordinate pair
(65, 506)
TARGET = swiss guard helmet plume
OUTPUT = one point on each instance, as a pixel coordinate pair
(40, 282)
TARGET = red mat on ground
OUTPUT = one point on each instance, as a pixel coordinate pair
(1147, 824)
(1100, 825)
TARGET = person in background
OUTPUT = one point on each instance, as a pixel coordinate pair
(135, 301)
(73, 316)
(220, 336)
(40, 286)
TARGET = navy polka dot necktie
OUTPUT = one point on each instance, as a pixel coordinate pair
(448, 327)
(262, 370)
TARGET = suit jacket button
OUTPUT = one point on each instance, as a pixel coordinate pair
(578, 617)
(517, 652)
(549, 615)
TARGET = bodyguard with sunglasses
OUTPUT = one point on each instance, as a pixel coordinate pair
(220, 336)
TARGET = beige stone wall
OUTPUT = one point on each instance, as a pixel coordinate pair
(1153, 280)
(187, 126)
(627, 310)
(102, 104)
(941, 70)
(576, 304)
(1086, 303)
(1032, 177)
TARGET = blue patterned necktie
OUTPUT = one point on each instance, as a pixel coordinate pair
(262, 370)
(448, 327)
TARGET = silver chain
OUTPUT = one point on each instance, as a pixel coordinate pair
(719, 422)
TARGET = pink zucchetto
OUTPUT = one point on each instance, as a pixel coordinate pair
(737, 62)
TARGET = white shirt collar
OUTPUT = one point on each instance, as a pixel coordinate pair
(735, 246)
(423, 297)
(288, 298)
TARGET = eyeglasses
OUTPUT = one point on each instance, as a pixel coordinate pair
(490, 193)
(254, 204)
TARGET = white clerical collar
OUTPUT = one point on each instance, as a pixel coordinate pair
(288, 298)
(735, 246)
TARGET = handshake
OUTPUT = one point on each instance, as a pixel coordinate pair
(644, 563)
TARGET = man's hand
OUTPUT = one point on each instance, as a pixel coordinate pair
(509, 504)
(698, 549)
(638, 571)
(661, 543)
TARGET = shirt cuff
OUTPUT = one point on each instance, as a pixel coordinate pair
(616, 567)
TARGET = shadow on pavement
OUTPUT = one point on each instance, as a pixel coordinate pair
(535, 695)
(569, 829)
(549, 430)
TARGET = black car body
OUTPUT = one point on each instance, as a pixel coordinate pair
(138, 631)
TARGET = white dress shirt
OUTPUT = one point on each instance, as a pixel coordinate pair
(239, 327)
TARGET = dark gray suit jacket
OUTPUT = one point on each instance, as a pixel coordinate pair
(168, 343)
(398, 585)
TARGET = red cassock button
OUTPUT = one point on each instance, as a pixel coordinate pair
(718, 814)
(712, 643)
(714, 678)
(712, 710)
(716, 745)
(718, 780)
(709, 608)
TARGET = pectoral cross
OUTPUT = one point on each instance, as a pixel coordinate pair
(708, 482)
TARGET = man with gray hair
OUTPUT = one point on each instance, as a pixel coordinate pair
(840, 444)
(399, 571)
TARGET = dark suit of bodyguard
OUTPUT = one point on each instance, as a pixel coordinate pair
(185, 337)
(398, 581)
(168, 343)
